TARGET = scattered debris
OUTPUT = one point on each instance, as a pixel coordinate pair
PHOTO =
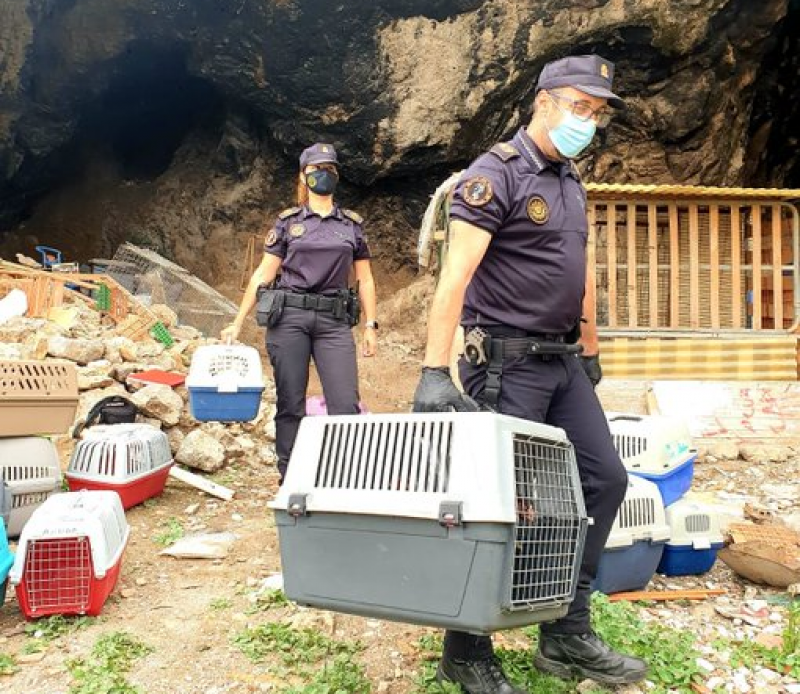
(767, 554)
(202, 546)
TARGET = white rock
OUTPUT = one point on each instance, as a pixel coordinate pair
(114, 345)
(159, 401)
(97, 374)
(201, 451)
(81, 351)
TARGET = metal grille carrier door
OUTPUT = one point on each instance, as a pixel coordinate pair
(70, 554)
(472, 521)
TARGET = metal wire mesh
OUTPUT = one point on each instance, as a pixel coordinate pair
(549, 532)
(156, 280)
(58, 575)
(390, 456)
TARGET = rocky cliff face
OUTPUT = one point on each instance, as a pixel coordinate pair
(406, 89)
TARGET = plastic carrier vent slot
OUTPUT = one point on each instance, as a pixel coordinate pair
(404, 456)
(548, 529)
(636, 513)
(698, 523)
(629, 446)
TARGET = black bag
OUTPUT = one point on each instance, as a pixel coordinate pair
(111, 410)
(269, 308)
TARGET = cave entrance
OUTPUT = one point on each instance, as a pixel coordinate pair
(138, 110)
(149, 106)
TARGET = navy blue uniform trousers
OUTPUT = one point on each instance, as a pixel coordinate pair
(299, 336)
(558, 392)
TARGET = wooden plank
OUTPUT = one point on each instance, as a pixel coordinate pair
(694, 267)
(736, 270)
(755, 264)
(674, 267)
(201, 483)
(652, 263)
(713, 245)
(611, 262)
(777, 266)
(665, 595)
(633, 304)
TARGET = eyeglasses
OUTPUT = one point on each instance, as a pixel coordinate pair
(583, 111)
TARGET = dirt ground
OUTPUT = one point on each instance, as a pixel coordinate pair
(189, 611)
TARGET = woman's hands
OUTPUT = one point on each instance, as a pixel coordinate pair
(369, 342)
(230, 334)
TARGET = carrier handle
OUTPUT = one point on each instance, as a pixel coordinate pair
(626, 418)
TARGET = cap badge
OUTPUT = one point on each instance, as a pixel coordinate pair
(297, 230)
(538, 210)
(327, 149)
(478, 191)
(272, 238)
(604, 70)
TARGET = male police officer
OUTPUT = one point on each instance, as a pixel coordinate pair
(515, 276)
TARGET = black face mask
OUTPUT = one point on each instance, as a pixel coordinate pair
(322, 181)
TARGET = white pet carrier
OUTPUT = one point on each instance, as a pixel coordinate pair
(29, 474)
(131, 459)
(636, 542)
(70, 554)
(649, 443)
(468, 521)
(225, 383)
(695, 539)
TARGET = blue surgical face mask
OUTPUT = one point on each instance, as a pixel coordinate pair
(322, 181)
(572, 135)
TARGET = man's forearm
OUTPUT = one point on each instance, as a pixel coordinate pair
(443, 320)
(589, 338)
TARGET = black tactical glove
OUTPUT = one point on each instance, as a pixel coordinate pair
(436, 392)
(591, 366)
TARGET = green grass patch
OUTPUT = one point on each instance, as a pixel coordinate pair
(269, 599)
(785, 659)
(105, 670)
(325, 665)
(671, 654)
(171, 531)
(221, 604)
(44, 631)
(8, 666)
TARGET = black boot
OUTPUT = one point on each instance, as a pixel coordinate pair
(586, 656)
(482, 676)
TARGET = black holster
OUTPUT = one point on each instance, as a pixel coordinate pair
(269, 307)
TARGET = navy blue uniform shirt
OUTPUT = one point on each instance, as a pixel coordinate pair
(533, 275)
(317, 252)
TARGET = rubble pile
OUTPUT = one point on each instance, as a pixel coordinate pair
(105, 361)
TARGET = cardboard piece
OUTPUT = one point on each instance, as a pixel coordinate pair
(766, 554)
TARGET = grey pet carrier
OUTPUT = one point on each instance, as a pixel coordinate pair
(473, 521)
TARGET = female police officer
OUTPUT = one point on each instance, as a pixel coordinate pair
(313, 248)
(516, 277)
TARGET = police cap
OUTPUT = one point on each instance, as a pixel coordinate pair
(590, 74)
(318, 154)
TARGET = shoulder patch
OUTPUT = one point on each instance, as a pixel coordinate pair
(288, 212)
(505, 150)
(357, 218)
(477, 191)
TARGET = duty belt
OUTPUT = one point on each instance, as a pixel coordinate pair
(316, 302)
(482, 347)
